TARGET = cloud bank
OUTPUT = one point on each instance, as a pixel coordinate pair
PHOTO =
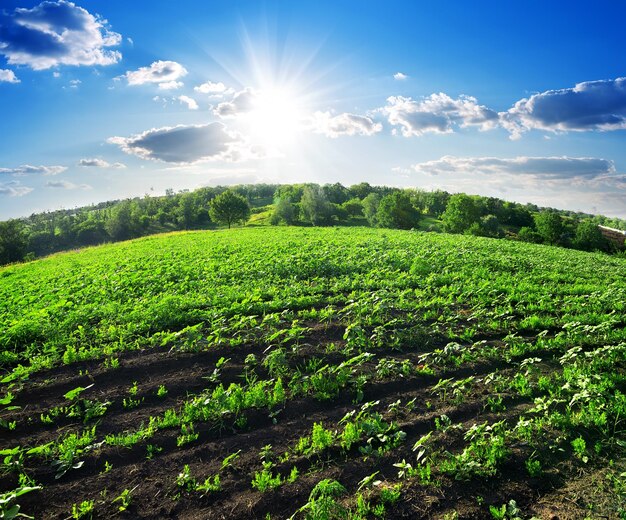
(14, 189)
(66, 185)
(213, 89)
(591, 105)
(164, 73)
(437, 113)
(190, 102)
(27, 168)
(8, 76)
(182, 144)
(100, 163)
(343, 124)
(243, 101)
(56, 33)
(544, 167)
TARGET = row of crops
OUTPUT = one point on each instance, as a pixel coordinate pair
(313, 373)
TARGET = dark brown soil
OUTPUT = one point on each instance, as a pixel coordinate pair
(563, 492)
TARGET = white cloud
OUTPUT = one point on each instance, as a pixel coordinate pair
(165, 73)
(399, 76)
(27, 168)
(184, 144)
(243, 101)
(171, 85)
(540, 167)
(438, 113)
(100, 163)
(190, 102)
(66, 185)
(74, 83)
(343, 124)
(56, 33)
(14, 189)
(8, 76)
(213, 89)
(592, 105)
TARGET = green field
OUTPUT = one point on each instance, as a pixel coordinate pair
(314, 372)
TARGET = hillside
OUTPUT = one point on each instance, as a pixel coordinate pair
(316, 372)
(304, 205)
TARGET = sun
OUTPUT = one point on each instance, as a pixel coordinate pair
(275, 119)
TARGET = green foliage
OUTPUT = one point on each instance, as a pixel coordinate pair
(321, 438)
(210, 485)
(48, 232)
(9, 509)
(508, 511)
(83, 510)
(527, 234)
(488, 226)
(589, 237)
(371, 204)
(396, 211)
(315, 206)
(12, 241)
(125, 498)
(580, 449)
(284, 212)
(229, 208)
(461, 212)
(265, 480)
(323, 503)
(550, 226)
(533, 466)
(328, 314)
(185, 480)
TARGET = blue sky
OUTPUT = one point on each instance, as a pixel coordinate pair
(519, 100)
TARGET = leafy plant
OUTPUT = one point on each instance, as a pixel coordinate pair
(125, 498)
(83, 510)
(8, 508)
(265, 480)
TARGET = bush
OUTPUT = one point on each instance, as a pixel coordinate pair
(589, 237)
(527, 234)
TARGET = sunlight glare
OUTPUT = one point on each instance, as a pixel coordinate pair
(275, 118)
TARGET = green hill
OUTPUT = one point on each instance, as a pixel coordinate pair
(315, 372)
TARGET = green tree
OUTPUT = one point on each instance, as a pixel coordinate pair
(589, 237)
(550, 226)
(396, 211)
(435, 202)
(187, 210)
(516, 215)
(336, 193)
(370, 208)
(12, 241)
(122, 224)
(229, 208)
(284, 211)
(353, 207)
(461, 212)
(361, 190)
(527, 234)
(315, 206)
(487, 226)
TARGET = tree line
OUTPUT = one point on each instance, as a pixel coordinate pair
(299, 204)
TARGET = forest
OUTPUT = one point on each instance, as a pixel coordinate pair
(302, 205)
